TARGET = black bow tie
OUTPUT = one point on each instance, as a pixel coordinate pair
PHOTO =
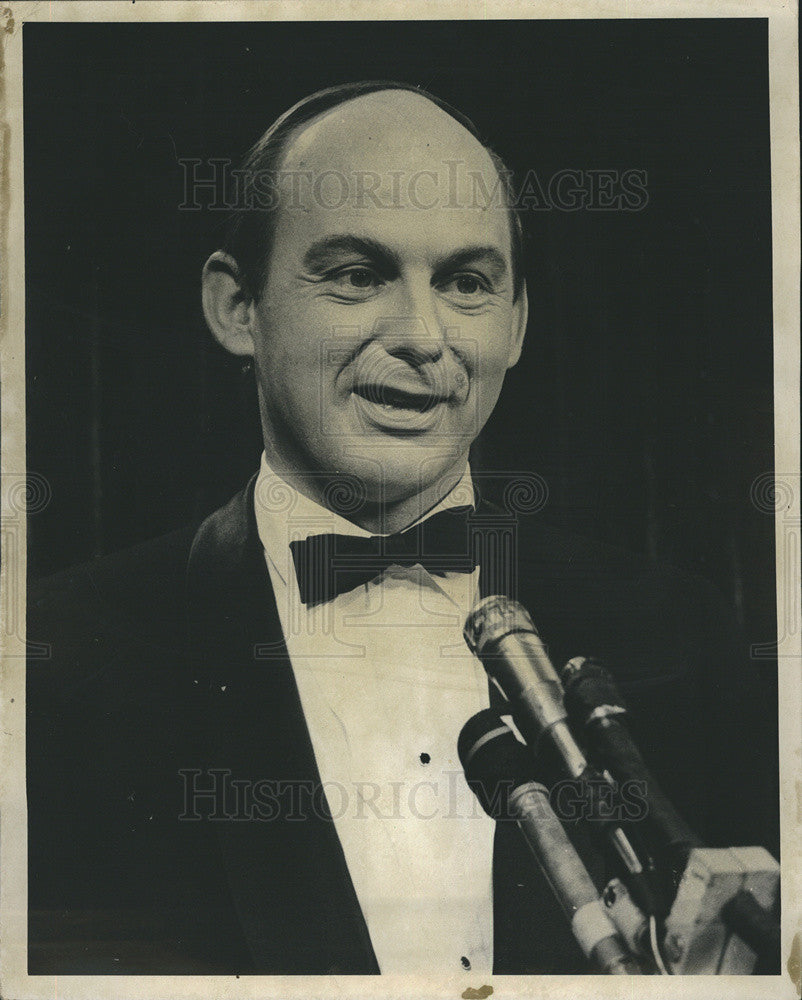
(328, 565)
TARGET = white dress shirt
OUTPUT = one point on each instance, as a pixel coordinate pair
(386, 682)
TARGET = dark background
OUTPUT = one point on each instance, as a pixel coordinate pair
(644, 396)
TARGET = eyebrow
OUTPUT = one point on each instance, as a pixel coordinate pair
(327, 251)
(491, 256)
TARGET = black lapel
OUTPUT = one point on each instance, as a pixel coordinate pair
(284, 863)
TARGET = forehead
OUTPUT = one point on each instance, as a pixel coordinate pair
(394, 167)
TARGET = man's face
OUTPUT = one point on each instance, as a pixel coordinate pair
(386, 323)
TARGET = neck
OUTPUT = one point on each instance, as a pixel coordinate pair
(385, 516)
(393, 516)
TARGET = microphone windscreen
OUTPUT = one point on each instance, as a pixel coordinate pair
(491, 620)
(495, 762)
(477, 730)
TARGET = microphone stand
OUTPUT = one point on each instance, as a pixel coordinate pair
(739, 882)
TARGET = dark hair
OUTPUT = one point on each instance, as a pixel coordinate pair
(249, 233)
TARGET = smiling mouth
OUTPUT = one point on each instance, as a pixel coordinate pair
(395, 400)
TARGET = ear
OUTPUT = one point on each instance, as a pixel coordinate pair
(227, 304)
(520, 315)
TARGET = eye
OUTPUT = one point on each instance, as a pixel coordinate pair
(355, 281)
(466, 288)
(466, 284)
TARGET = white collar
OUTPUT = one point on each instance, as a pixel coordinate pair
(283, 514)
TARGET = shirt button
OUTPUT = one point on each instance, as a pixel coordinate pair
(425, 758)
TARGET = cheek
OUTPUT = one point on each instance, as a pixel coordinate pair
(489, 346)
(492, 362)
(300, 353)
(289, 334)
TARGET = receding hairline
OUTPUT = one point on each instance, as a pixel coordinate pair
(297, 131)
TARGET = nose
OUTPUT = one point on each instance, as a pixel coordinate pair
(416, 332)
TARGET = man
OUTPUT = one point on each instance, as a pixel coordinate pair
(242, 754)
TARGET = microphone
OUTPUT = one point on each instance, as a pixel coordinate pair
(502, 634)
(500, 774)
(596, 708)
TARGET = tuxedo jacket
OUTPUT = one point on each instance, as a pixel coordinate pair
(162, 671)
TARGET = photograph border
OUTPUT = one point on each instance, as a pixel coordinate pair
(19, 493)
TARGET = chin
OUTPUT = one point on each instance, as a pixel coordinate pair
(391, 475)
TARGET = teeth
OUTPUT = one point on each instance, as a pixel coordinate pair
(392, 406)
(398, 405)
